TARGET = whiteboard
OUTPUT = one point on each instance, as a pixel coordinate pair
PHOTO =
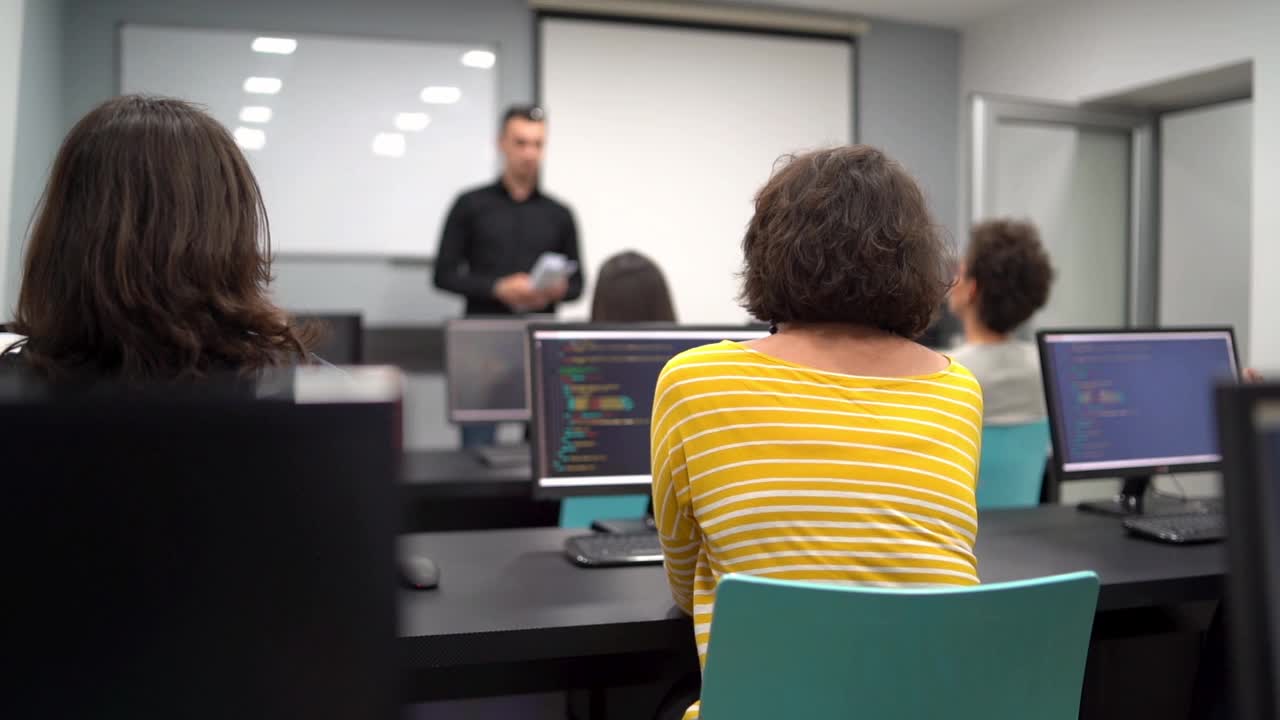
(326, 190)
(668, 161)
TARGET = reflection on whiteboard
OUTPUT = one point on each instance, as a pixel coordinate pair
(360, 145)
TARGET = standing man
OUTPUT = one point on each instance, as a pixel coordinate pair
(495, 234)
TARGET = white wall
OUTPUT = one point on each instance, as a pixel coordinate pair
(1206, 160)
(1072, 52)
(10, 51)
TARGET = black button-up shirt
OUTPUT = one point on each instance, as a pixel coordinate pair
(488, 235)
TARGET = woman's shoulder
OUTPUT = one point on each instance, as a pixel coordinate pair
(706, 356)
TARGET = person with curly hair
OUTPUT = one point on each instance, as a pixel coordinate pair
(149, 258)
(1004, 279)
(837, 449)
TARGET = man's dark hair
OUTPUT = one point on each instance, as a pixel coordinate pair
(1011, 269)
(532, 113)
(844, 236)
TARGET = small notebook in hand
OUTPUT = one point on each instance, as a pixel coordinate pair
(550, 269)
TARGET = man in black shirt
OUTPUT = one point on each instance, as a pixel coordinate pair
(495, 234)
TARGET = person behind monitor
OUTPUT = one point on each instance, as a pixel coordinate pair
(837, 449)
(1004, 279)
(149, 257)
(631, 289)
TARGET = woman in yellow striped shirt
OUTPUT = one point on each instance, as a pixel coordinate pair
(837, 449)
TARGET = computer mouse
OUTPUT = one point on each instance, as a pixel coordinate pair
(419, 572)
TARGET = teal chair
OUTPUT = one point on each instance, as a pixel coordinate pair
(1012, 468)
(1007, 651)
(580, 512)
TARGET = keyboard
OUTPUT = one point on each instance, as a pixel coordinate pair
(614, 549)
(1179, 529)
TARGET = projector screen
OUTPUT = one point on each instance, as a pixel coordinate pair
(359, 144)
(659, 138)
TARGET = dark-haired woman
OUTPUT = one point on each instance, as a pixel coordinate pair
(149, 258)
(837, 449)
(631, 288)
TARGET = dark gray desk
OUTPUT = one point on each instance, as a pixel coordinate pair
(452, 490)
(513, 615)
(457, 473)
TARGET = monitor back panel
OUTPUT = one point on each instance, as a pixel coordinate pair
(486, 368)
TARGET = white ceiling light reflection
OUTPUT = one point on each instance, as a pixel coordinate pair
(255, 114)
(482, 59)
(275, 45)
(250, 138)
(441, 95)
(389, 145)
(412, 122)
(263, 85)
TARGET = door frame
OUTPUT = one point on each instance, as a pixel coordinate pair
(1142, 272)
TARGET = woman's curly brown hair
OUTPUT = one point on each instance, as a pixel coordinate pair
(1011, 269)
(843, 235)
(150, 256)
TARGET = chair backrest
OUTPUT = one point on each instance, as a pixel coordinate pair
(342, 337)
(1012, 468)
(580, 512)
(997, 652)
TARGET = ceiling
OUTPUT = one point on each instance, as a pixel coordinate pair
(948, 13)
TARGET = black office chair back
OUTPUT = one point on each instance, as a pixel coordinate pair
(341, 337)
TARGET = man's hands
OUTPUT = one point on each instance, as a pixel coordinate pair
(517, 292)
(556, 292)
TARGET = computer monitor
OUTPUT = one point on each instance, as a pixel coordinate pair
(486, 368)
(593, 400)
(1131, 403)
(200, 553)
(1249, 431)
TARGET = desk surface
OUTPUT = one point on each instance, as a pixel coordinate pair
(459, 473)
(511, 596)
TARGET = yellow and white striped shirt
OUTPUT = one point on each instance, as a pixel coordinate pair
(771, 468)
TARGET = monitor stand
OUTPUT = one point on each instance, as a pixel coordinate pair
(504, 456)
(624, 525)
(1135, 499)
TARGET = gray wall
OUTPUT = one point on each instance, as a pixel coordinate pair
(40, 126)
(909, 88)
